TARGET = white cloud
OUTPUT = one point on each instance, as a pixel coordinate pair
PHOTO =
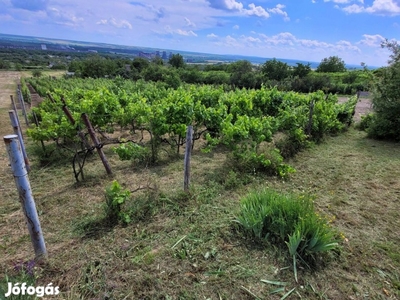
(344, 1)
(231, 41)
(252, 10)
(372, 40)
(378, 7)
(236, 27)
(115, 23)
(189, 23)
(185, 32)
(169, 30)
(256, 11)
(212, 36)
(279, 10)
(287, 39)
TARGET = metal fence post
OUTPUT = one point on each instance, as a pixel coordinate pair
(25, 194)
(17, 131)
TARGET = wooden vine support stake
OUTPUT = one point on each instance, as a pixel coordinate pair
(15, 109)
(96, 143)
(73, 122)
(310, 116)
(188, 151)
(21, 100)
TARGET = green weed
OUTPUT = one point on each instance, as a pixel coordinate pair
(287, 219)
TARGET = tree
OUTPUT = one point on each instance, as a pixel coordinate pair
(157, 61)
(301, 70)
(331, 64)
(4, 64)
(140, 63)
(36, 73)
(275, 70)
(395, 48)
(176, 61)
(242, 74)
(385, 123)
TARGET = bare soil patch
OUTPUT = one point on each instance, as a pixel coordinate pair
(363, 107)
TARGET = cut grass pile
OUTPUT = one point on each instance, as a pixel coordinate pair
(181, 246)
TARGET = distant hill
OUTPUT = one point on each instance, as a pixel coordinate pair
(42, 43)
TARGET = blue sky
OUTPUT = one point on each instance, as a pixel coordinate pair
(307, 30)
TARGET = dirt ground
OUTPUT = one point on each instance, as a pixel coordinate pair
(363, 107)
(8, 84)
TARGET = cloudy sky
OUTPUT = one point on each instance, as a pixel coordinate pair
(307, 30)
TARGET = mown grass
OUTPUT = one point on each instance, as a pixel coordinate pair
(187, 246)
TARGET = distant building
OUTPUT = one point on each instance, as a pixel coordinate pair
(92, 51)
(170, 55)
(44, 47)
(164, 55)
(158, 54)
(145, 55)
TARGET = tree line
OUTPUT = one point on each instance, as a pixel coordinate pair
(239, 74)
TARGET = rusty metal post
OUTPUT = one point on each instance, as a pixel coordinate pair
(17, 131)
(188, 150)
(25, 194)
(96, 143)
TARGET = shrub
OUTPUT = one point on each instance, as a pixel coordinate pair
(386, 101)
(287, 219)
(132, 151)
(115, 198)
(366, 122)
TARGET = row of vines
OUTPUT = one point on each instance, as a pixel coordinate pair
(260, 127)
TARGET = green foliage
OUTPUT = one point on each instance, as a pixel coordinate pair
(331, 64)
(132, 151)
(386, 102)
(177, 61)
(346, 110)
(25, 91)
(242, 75)
(4, 64)
(275, 70)
(157, 61)
(140, 63)
(301, 70)
(36, 73)
(115, 199)
(240, 119)
(366, 122)
(287, 219)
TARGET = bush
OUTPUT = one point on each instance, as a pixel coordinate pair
(37, 73)
(386, 102)
(285, 219)
(115, 199)
(366, 122)
(132, 151)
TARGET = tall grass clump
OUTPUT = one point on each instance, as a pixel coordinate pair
(287, 220)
